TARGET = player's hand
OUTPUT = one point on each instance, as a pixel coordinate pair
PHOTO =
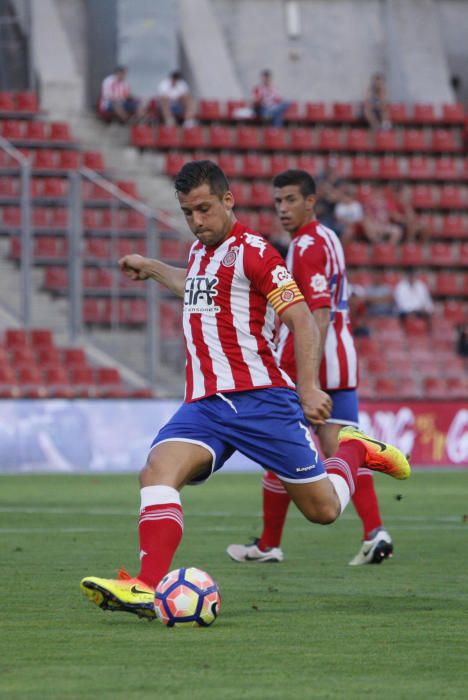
(132, 265)
(316, 404)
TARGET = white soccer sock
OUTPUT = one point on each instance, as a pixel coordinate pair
(158, 495)
(341, 488)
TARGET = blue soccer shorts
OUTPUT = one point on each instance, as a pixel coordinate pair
(345, 409)
(266, 425)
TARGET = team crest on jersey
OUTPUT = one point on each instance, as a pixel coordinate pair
(280, 275)
(230, 258)
(318, 282)
(200, 294)
(255, 242)
(304, 242)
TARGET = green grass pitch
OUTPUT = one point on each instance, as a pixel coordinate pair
(312, 627)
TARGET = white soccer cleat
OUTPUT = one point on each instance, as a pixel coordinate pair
(251, 552)
(374, 551)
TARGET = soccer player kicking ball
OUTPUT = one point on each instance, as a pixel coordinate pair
(316, 262)
(237, 397)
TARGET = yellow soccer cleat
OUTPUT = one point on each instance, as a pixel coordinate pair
(380, 456)
(124, 594)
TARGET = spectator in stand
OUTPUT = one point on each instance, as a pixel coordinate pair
(116, 101)
(402, 213)
(377, 224)
(268, 104)
(175, 103)
(375, 107)
(328, 194)
(349, 213)
(413, 299)
(462, 340)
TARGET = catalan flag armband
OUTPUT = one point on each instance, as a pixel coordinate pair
(284, 296)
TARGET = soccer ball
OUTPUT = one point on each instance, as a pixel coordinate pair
(187, 597)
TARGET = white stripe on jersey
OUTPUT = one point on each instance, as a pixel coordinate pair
(247, 342)
(351, 356)
(332, 362)
(198, 379)
(221, 368)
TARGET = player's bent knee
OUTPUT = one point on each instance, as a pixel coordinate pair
(324, 514)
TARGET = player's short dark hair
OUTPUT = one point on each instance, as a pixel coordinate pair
(201, 172)
(301, 178)
(120, 69)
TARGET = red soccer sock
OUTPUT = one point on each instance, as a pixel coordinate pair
(160, 529)
(276, 501)
(346, 462)
(366, 503)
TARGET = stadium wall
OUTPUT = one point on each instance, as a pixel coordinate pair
(114, 436)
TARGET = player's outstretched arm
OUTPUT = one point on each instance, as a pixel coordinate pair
(138, 267)
(315, 402)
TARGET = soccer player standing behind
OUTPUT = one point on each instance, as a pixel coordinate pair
(316, 262)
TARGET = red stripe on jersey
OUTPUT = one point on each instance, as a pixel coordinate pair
(228, 336)
(340, 349)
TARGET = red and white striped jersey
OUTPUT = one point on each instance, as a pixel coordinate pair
(316, 262)
(232, 292)
(113, 89)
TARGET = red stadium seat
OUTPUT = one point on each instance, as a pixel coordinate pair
(424, 114)
(12, 130)
(60, 131)
(229, 163)
(174, 162)
(54, 187)
(9, 187)
(420, 168)
(219, 137)
(59, 218)
(315, 112)
(301, 139)
(99, 248)
(455, 311)
(457, 387)
(94, 160)
(376, 364)
(452, 197)
(386, 141)
(15, 337)
(387, 388)
(241, 192)
(423, 197)
(462, 257)
(210, 110)
(105, 376)
(447, 284)
(293, 112)
(278, 163)
(414, 140)
(274, 138)
(343, 112)
(416, 327)
(261, 195)
(41, 338)
(453, 114)
(434, 387)
(446, 168)
(167, 137)
(129, 188)
(74, 357)
(35, 131)
(384, 254)
(412, 254)
(398, 113)
(329, 140)
(362, 168)
(356, 253)
(358, 140)
(192, 137)
(389, 168)
(247, 138)
(444, 140)
(141, 136)
(253, 166)
(310, 164)
(7, 102)
(44, 159)
(26, 102)
(81, 375)
(267, 222)
(68, 160)
(11, 216)
(441, 254)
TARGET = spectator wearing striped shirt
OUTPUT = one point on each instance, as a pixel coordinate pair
(116, 100)
(268, 104)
